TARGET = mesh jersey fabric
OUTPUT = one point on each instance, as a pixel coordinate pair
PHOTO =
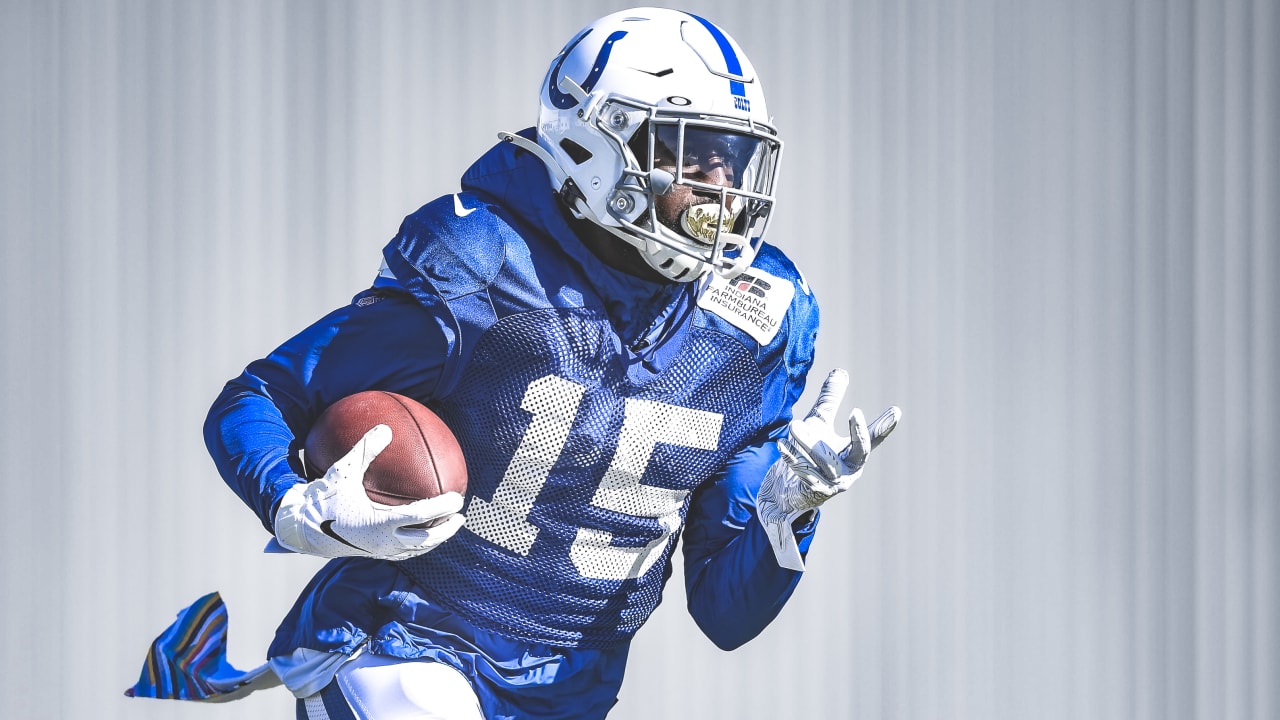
(569, 547)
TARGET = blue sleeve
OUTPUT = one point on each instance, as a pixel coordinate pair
(733, 582)
(383, 340)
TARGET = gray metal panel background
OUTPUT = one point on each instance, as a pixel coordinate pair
(1047, 230)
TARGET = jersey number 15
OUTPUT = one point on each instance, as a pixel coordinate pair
(553, 402)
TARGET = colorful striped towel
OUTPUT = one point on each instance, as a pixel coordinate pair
(189, 659)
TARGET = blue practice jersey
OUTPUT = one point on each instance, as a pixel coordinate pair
(600, 415)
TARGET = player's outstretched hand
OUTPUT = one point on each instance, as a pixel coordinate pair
(333, 517)
(817, 464)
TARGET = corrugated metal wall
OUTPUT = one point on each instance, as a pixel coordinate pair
(1048, 230)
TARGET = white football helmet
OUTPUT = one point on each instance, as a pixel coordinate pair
(628, 96)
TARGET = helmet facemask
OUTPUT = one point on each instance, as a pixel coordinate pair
(695, 193)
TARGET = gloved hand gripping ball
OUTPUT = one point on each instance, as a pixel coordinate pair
(396, 493)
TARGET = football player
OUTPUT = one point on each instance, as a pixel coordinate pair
(597, 318)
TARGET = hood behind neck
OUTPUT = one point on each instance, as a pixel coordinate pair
(518, 182)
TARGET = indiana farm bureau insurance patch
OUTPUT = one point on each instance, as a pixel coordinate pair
(753, 301)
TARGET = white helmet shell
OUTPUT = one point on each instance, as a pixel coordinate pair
(683, 81)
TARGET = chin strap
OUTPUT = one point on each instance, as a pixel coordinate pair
(739, 264)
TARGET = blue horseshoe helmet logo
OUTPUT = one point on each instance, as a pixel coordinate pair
(564, 101)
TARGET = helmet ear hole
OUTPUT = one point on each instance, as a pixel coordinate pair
(576, 152)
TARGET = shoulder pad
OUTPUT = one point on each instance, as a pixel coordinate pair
(455, 244)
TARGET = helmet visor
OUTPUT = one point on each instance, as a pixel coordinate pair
(715, 156)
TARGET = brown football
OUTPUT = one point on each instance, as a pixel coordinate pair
(422, 461)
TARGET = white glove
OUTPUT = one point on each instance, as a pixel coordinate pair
(333, 517)
(816, 465)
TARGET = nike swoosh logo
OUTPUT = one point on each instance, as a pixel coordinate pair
(326, 527)
(458, 209)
